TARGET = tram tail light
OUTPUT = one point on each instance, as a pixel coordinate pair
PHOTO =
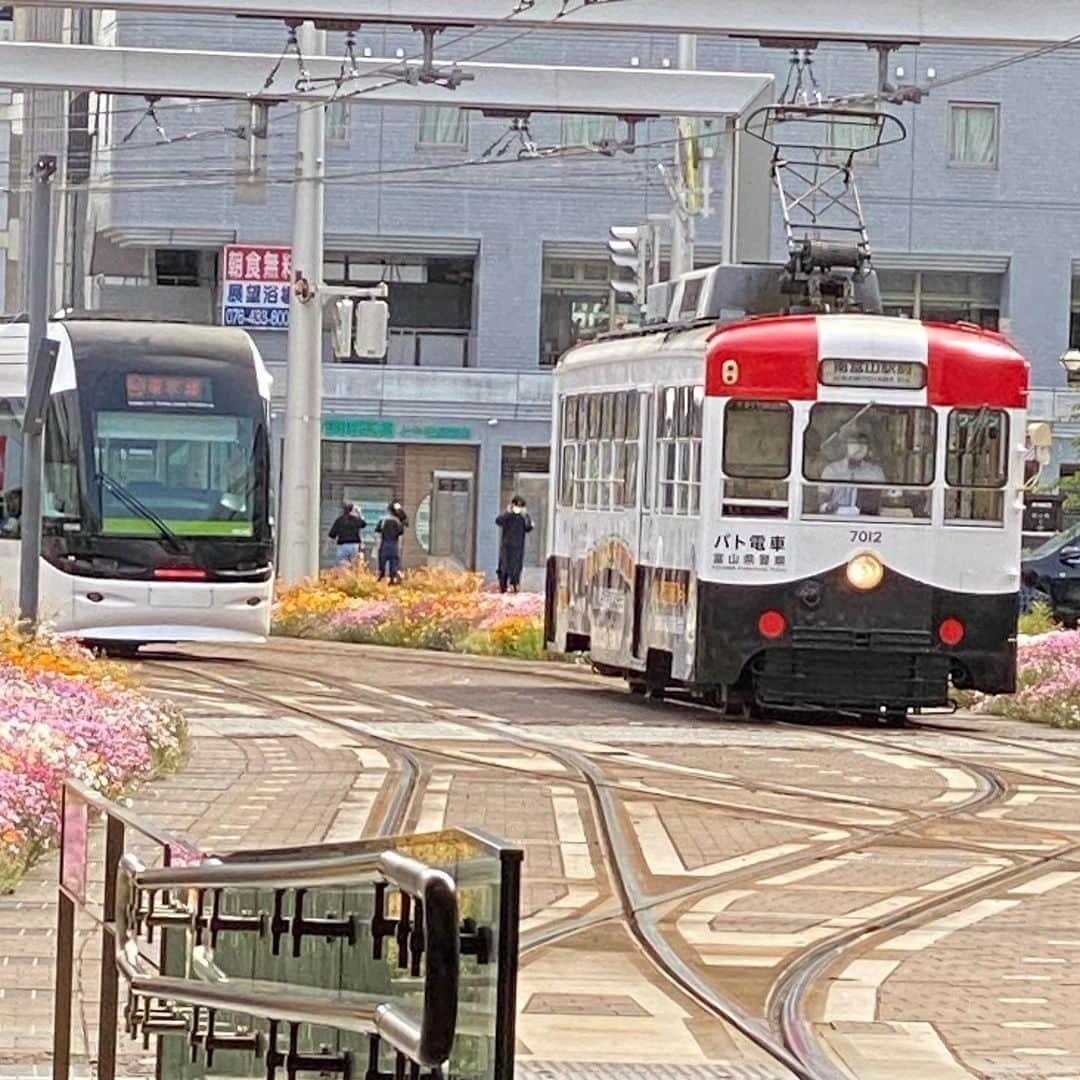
(865, 572)
(951, 631)
(179, 573)
(771, 624)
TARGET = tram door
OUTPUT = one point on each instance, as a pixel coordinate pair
(644, 502)
(452, 519)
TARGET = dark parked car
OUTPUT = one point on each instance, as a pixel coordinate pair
(1054, 568)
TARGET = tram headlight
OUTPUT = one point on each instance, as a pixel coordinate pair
(865, 572)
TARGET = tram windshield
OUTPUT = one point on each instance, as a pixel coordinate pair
(196, 474)
(869, 459)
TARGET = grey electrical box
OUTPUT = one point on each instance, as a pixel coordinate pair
(372, 328)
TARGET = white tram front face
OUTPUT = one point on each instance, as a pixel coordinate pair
(861, 543)
(156, 501)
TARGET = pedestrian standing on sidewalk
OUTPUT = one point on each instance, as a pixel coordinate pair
(391, 529)
(346, 531)
(513, 524)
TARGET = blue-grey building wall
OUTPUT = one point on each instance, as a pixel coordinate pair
(1026, 211)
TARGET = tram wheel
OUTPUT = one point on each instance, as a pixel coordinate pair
(638, 687)
(894, 718)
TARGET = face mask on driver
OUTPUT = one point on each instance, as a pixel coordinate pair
(857, 451)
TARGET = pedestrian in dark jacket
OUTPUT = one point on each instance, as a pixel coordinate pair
(346, 531)
(391, 529)
(513, 524)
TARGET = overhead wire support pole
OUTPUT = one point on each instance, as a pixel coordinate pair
(298, 554)
(41, 362)
(682, 212)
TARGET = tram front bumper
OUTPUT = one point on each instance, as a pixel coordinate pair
(106, 609)
(848, 649)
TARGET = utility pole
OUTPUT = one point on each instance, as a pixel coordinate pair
(41, 361)
(298, 553)
(682, 212)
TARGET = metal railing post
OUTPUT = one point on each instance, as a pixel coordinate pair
(65, 958)
(109, 985)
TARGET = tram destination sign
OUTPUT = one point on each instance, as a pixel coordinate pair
(886, 374)
(257, 286)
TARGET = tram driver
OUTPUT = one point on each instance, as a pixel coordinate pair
(854, 467)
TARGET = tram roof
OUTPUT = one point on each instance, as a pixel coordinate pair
(91, 336)
(778, 355)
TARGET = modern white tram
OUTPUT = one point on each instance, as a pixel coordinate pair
(156, 500)
(798, 511)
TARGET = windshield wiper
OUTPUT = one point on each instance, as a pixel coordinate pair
(135, 504)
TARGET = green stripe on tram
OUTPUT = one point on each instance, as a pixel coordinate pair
(137, 526)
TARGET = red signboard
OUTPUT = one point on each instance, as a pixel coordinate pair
(256, 286)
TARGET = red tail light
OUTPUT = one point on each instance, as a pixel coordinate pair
(771, 624)
(951, 631)
(179, 573)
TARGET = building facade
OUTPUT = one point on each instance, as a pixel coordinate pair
(496, 265)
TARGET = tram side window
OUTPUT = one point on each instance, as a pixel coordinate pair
(599, 451)
(62, 438)
(10, 469)
(976, 465)
(678, 447)
(757, 458)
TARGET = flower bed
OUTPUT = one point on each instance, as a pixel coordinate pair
(446, 610)
(65, 714)
(1048, 682)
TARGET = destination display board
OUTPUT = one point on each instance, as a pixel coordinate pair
(884, 374)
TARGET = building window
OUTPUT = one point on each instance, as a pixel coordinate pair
(575, 303)
(586, 129)
(338, 119)
(1074, 315)
(935, 296)
(973, 135)
(431, 303)
(442, 125)
(855, 132)
(174, 266)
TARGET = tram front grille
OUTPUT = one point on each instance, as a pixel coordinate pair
(839, 637)
(852, 678)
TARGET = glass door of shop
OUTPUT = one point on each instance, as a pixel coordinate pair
(533, 488)
(453, 517)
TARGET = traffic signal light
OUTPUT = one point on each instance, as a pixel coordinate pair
(628, 251)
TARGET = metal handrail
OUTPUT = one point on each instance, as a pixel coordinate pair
(425, 1038)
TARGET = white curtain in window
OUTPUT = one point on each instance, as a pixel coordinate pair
(337, 121)
(973, 135)
(442, 125)
(586, 129)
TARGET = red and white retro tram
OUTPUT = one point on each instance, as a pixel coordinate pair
(816, 511)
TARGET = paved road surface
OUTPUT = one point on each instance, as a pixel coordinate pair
(701, 896)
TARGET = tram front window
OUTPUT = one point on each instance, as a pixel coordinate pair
(869, 460)
(196, 474)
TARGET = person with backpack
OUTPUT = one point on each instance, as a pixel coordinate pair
(346, 532)
(391, 529)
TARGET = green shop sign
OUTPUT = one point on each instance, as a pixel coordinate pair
(363, 427)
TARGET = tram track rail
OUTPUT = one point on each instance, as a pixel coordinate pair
(783, 1032)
